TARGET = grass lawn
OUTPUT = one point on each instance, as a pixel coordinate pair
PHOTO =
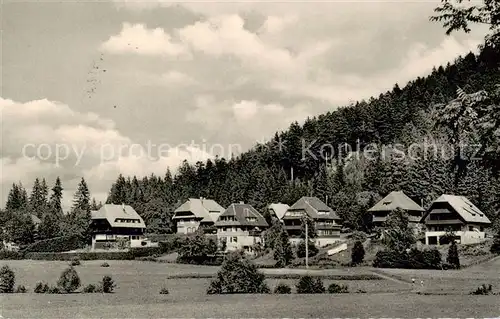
(139, 283)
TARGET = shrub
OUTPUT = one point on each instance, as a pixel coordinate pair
(482, 290)
(107, 284)
(11, 255)
(238, 275)
(301, 249)
(282, 288)
(90, 289)
(41, 288)
(308, 285)
(164, 291)
(20, 289)
(104, 264)
(69, 280)
(57, 244)
(7, 280)
(54, 290)
(415, 259)
(453, 258)
(75, 261)
(337, 289)
(360, 291)
(390, 259)
(358, 253)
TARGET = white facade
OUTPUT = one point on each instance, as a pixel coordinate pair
(466, 237)
(237, 239)
(187, 226)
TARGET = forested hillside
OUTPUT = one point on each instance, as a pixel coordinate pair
(350, 184)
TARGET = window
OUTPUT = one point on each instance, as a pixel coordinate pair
(251, 219)
(471, 228)
(235, 239)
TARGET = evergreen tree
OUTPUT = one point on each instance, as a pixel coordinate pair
(358, 253)
(19, 229)
(283, 253)
(55, 201)
(453, 258)
(495, 246)
(81, 199)
(17, 200)
(49, 227)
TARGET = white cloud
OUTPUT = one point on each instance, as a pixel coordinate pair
(58, 145)
(138, 39)
(176, 78)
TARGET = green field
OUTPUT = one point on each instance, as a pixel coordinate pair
(137, 294)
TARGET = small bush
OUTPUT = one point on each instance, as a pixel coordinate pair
(20, 289)
(301, 249)
(360, 291)
(453, 258)
(69, 280)
(75, 261)
(495, 246)
(164, 291)
(54, 290)
(308, 285)
(337, 289)
(282, 289)
(90, 289)
(238, 275)
(483, 290)
(7, 280)
(104, 264)
(107, 284)
(41, 288)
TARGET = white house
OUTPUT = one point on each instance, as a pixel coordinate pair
(112, 224)
(196, 212)
(240, 227)
(458, 214)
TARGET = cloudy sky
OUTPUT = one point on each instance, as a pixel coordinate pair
(188, 80)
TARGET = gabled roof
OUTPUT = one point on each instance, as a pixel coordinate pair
(314, 208)
(241, 212)
(394, 201)
(205, 209)
(279, 209)
(467, 211)
(112, 213)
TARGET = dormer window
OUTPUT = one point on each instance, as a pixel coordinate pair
(251, 219)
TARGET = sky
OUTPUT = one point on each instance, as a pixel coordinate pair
(93, 89)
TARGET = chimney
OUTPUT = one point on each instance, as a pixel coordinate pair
(123, 206)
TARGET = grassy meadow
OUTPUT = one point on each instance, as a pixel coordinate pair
(137, 294)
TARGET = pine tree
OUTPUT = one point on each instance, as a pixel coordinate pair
(453, 258)
(81, 199)
(358, 253)
(283, 253)
(38, 200)
(495, 246)
(55, 201)
(50, 226)
(17, 200)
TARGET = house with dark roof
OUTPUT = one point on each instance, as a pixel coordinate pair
(240, 226)
(396, 200)
(277, 210)
(326, 222)
(196, 212)
(114, 224)
(455, 213)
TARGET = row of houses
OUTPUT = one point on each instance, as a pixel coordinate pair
(240, 225)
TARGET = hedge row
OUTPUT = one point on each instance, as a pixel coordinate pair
(286, 276)
(11, 255)
(415, 259)
(57, 244)
(108, 255)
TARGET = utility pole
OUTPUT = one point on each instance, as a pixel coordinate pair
(307, 245)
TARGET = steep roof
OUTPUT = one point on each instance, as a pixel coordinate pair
(112, 213)
(394, 201)
(314, 207)
(463, 206)
(207, 210)
(241, 212)
(279, 209)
